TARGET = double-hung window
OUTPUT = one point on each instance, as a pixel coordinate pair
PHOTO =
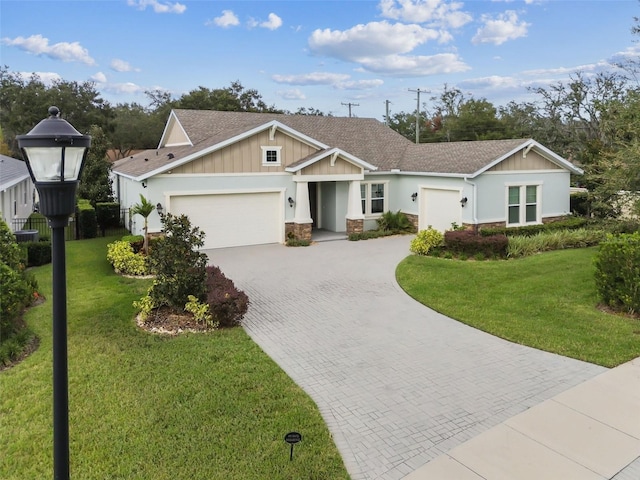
(523, 204)
(271, 156)
(374, 197)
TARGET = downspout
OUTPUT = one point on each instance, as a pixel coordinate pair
(474, 204)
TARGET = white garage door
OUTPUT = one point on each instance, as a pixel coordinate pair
(233, 219)
(439, 208)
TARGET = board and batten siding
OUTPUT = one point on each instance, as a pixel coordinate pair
(340, 167)
(516, 162)
(245, 156)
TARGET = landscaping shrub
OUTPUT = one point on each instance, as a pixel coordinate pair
(87, 220)
(124, 260)
(426, 240)
(394, 222)
(569, 223)
(38, 253)
(136, 242)
(618, 272)
(177, 264)
(108, 214)
(469, 244)
(295, 242)
(17, 288)
(227, 304)
(580, 203)
(368, 234)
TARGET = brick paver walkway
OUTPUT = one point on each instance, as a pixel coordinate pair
(397, 383)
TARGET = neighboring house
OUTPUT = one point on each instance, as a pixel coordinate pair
(252, 178)
(17, 192)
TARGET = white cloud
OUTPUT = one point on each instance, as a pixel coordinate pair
(415, 65)
(339, 81)
(434, 12)
(124, 88)
(371, 40)
(122, 66)
(314, 78)
(99, 77)
(294, 94)
(506, 26)
(39, 45)
(359, 84)
(158, 7)
(491, 82)
(226, 20)
(273, 23)
(45, 77)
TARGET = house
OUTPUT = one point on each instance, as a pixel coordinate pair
(17, 192)
(252, 178)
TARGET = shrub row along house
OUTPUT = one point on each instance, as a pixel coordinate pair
(253, 178)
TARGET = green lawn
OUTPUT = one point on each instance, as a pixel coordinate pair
(196, 406)
(547, 301)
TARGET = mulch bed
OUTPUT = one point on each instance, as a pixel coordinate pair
(167, 321)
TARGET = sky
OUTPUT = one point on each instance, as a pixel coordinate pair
(319, 54)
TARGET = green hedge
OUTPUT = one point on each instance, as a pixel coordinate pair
(108, 214)
(87, 220)
(618, 272)
(38, 253)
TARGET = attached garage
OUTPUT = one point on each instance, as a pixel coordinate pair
(234, 219)
(439, 208)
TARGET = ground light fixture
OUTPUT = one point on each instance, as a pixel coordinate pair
(54, 152)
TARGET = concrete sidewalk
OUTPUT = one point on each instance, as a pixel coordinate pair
(591, 431)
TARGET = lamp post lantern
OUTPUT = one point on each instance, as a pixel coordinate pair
(54, 152)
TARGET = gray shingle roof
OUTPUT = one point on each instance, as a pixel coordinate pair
(12, 171)
(456, 157)
(364, 138)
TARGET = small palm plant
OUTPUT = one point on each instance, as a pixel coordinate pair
(144, 209)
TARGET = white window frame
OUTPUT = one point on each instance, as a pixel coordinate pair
(522, 204)
(368, 199)
(278, 161)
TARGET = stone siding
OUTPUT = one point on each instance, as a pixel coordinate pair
(355, 226)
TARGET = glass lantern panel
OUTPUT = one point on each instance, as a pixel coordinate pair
(72, 162)
(45, 163)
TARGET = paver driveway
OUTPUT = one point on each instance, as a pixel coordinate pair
(397, 383)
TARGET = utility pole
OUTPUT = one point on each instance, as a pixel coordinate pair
(386, 117)
(351, 105)
(418, 91)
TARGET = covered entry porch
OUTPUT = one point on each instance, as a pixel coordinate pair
(327, 194)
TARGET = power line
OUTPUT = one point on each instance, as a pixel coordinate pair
(418, 91)
(351, 105)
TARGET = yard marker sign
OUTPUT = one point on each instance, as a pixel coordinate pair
(292, 438)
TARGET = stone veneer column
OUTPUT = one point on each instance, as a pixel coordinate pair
(302, 221)
(355, 217)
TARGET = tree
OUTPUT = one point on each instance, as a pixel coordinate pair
(179, 267)
(135, 128)
(95, 183)
(234, 98)
(24, 103)
(144, 209)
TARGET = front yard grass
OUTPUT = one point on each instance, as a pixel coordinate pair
(547, 301)
(196, 406)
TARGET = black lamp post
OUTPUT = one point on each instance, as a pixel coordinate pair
(54, 152)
